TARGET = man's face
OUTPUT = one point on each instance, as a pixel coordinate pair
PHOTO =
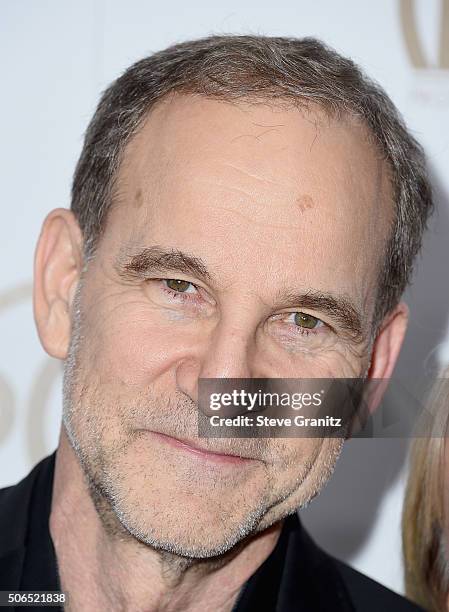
(229, 221)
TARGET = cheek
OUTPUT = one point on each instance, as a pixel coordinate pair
(291, 459)
(133, 343)
(308, 462)
(339, 361)
(300, 453)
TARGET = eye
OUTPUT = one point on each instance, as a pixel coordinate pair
(180, 286)
(306, 321)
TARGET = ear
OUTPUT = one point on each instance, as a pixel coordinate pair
(385, 352)
(57, 268)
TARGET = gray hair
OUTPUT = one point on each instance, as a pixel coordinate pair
(269, 69)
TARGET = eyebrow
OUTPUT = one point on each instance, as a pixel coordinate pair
(139, 265)
(157, 259)
(339, 307)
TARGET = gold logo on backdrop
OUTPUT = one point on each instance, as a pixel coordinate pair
(38, 392)
(413, 41)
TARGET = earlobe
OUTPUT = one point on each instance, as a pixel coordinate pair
(57, 268)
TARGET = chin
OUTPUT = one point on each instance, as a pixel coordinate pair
(196, 540)
(194, 530)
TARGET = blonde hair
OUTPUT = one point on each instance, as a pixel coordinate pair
(426, 560)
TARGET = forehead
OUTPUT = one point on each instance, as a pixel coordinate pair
(187, 131)
(287, 181)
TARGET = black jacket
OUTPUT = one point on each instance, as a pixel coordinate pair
(298, 576)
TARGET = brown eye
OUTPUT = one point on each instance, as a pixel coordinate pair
(178, 285)
(305, 320)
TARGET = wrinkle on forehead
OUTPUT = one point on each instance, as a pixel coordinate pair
(257, 136)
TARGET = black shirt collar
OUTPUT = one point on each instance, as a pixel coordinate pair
(40, 566)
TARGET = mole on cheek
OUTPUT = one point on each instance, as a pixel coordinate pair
(304, 202)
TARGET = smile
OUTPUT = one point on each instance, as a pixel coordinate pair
(200, 453)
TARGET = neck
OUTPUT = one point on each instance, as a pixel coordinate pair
(102, 566)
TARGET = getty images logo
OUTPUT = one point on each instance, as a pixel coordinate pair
(413, 40)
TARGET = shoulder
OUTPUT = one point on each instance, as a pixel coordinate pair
(367, 595)
(15, 504)
(336, 581)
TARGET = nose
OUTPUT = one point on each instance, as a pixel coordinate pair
(229, 353)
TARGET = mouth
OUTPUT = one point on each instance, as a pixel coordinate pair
(199, 452)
